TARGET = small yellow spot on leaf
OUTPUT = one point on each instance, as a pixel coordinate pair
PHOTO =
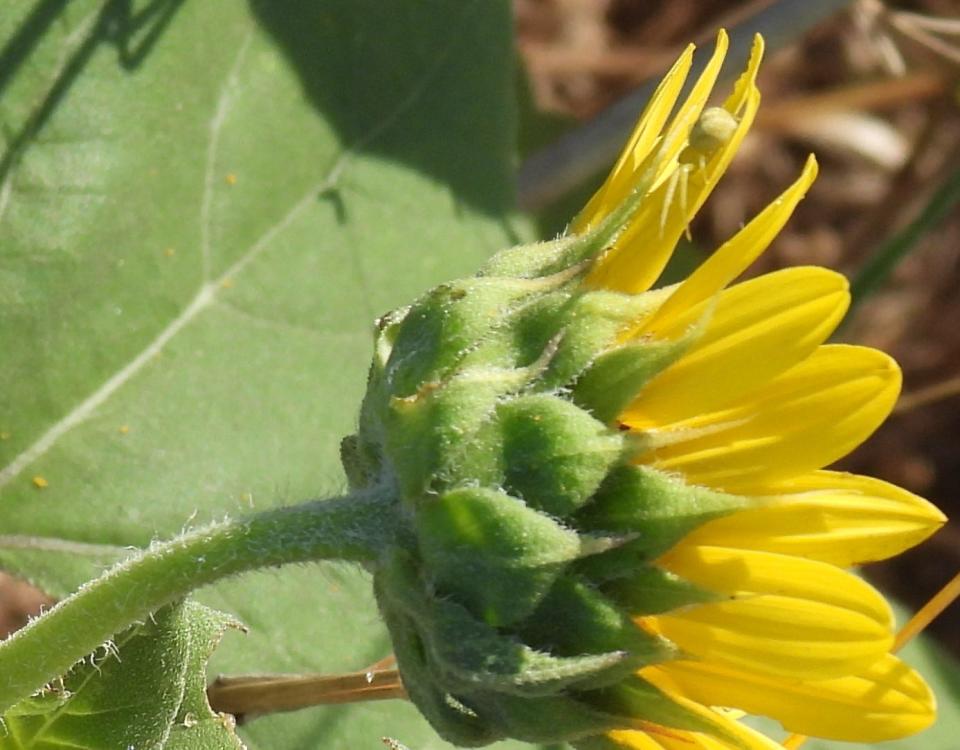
(40, 482)
(231, 179)
(170, 252)
(123, 429)
(4, 436)
(227, 283)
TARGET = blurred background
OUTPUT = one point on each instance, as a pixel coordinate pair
(874, 89)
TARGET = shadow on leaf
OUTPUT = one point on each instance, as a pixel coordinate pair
(365, 90)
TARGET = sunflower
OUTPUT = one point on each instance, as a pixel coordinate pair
(617, 528)
(756, 406)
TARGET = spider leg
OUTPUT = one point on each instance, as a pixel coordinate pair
(684, 180)
(668, 197)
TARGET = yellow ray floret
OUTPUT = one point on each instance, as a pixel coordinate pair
(780, 614)
(805, 419)
(838, 518)
(651, 152)
(742, 738)
(622, 178)
(733, 257)
(884, 701)
(756, 331)
(636, 259)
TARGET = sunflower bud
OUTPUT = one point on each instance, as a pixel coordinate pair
(491, 410)
(608, 505)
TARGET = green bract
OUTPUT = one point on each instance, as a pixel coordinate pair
(526, 533)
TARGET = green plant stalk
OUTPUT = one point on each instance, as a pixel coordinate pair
(879, 267)
(353, 527)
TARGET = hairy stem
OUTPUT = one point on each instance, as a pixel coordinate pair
(347, 528)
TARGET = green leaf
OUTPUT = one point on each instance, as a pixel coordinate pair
(196, 726)
(203, 208)
(145, 686)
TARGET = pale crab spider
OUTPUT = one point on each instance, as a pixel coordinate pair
(712, 130)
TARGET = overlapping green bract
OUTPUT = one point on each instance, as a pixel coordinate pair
(491, 415)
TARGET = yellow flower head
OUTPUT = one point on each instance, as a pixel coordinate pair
(616, 526)
(757, 406)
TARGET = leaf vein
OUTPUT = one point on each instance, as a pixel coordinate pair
(99, 396)
(278, 325)
(213, 144)
(56, 544)
(207, 293)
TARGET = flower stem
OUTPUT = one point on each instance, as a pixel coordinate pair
(878, 267)
(354, 527)
(928, 612)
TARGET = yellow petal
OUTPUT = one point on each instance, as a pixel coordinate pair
(838, 518)
(620, 181)
(758, 329)
(733, 257)
(667, 212)
(743, 573)
(884, 701)
(723, 732)
(743, 88)
(743, 738)
(676, 135)
(806, 418)
(634, 740)
(785, 615)
(639, 254)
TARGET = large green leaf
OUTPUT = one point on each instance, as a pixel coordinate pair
(203, 207)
